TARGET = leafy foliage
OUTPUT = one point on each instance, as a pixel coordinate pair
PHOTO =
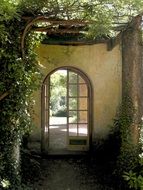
(58, 93)
(128, 166)
(20, 77)
(134, 177)
(128, 158)
(134, 181)
(103, 16)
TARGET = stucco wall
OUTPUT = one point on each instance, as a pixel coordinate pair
(102, 67)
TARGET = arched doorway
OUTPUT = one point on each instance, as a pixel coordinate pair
(66, 111)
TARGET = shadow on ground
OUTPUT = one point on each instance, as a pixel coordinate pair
(75, 173)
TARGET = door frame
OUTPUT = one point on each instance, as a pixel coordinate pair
(44, 135)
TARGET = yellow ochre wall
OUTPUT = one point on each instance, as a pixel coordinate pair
(104, 70)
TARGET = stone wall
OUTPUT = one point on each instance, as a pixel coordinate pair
(133, 71)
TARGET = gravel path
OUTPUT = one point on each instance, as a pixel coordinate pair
(74, 173)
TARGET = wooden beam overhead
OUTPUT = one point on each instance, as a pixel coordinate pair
(57, 31)
(51, 29)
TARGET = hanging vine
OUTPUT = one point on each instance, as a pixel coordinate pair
(20, 77)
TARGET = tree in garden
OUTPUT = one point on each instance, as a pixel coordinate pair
(20, 76)
(58, 93)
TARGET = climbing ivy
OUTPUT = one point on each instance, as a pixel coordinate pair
(134, 176)
(128, 160)
(20, 77)
(128, 150)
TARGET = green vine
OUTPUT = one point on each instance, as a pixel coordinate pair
(128, 158)
(19, 78)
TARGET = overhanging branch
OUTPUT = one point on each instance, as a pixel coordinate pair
(4, 95)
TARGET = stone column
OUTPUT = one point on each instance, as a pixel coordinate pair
(132, 74)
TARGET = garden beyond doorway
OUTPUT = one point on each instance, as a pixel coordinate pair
(66, 111)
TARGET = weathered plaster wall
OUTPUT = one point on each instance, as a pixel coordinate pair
(102, 67)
